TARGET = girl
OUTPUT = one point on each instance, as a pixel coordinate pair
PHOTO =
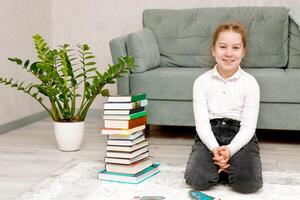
(226, 105)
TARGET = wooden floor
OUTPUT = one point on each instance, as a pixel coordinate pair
(29, 154)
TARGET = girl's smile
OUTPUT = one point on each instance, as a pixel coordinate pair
(228, 52)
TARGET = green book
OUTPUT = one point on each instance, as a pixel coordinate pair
(136, 97)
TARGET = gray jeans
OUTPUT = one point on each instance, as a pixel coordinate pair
(245, 171)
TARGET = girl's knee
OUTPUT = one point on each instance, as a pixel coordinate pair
(246, 184)
(200, 181)
(247, 188)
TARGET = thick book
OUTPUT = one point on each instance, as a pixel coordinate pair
(121, 131)
(125, 142)
(125, 117)
(118, 154)
(126, 160)
(123, 112)
(127, 148)
(129, 178)
(133, 168)
(136, 97)
(126, 137)
(127, 124)
(128, 105)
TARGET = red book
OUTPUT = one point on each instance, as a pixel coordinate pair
(126, 124)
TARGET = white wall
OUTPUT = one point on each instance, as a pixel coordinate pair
(19, 20)
(77, 21)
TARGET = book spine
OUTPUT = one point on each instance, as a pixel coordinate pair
(137, 122)
(132, 111)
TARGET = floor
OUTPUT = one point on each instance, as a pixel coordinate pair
(29, 154)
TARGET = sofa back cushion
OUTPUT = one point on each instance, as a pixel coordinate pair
(143, 47)
(294, 45)
(184, 36)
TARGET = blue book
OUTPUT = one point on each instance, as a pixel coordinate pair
(129, 178)
(197, 195)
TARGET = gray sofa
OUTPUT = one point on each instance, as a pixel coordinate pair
(173, 49)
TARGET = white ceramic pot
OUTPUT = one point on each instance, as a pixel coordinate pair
(69, 135)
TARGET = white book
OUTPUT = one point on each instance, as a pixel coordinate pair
(126, 142)
(123, 112)
(125, 117)
(129, 105)
(125, 160)
(127, 148)
(133, 168)
(125, 132)
(115, 154)
(126, 137)
(135, 97)
(125, 124)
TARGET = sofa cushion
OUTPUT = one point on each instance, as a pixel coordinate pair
(294, 45)
(143, 47)
(167, 83)
(184, 36)
(174, 83)
(278, 85)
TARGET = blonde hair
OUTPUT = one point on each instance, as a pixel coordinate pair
(232, 26)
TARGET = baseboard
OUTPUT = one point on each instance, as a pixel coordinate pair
(5, 128)
(22, 122)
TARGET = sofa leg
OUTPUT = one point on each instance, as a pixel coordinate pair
(147, 131)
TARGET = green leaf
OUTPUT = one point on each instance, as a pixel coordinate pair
(26, 63)
(91, 69)
(90, 63)
(79, 75)
(34, 95)
(89, 57)
(85, 47)
(16, 60)
(74, 82)
(33, 67)
(96, 81)
(105, 93)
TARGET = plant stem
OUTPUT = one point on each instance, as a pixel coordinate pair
(55, 111)
(73, 102)
(89, 103)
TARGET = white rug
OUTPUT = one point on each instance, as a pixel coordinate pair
(78, 181)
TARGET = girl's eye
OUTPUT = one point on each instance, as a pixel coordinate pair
(222, 47)
(236, 48)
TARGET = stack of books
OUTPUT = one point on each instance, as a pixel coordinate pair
(127, 159)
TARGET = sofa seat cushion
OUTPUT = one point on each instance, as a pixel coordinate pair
(184, 36)
(166, 83)
(278, 85)
(172, 83)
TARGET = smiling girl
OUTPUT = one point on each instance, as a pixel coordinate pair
(226, 106)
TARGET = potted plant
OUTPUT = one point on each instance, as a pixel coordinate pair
(67, 78)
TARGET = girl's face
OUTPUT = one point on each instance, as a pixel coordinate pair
(228, 52)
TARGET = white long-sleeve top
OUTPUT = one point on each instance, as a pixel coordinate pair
(236, 97)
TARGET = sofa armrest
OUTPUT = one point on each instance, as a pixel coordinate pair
(118, 49)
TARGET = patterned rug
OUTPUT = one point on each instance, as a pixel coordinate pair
(78, 181)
